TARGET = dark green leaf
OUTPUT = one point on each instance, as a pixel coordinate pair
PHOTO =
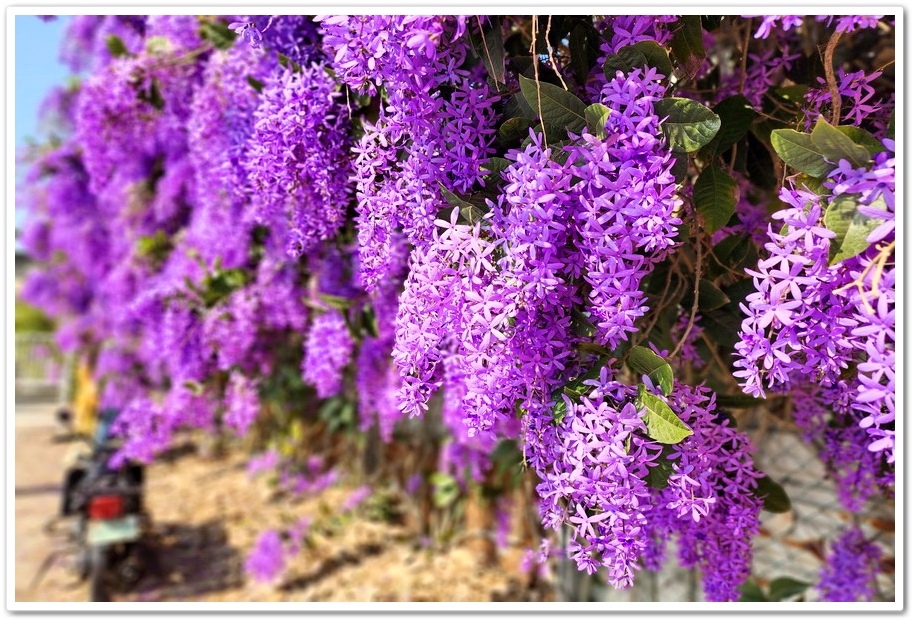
(643, 361)
(836, 146)
(715, 196)
(687, 45)
(623, 61)
(711, 297)
(256, 84)
(657, 478)
(681, 166)
(710, 22)
(773, 495)
(562, 111)
(863, 138)
(799, 152)
(794, 93)
(217, 33)
(469, 211)
(843, 218)
(656, 56)
(584, 49)
(892, 125)
(662, 423)
(738, 401)
(491, 50)
(596, 116)
(514, 130)
(687, 125)
(785, 587)
(497, 165)
(581, 325)
(116, 46)
(751, 591)
(736, 115)
(370, 322)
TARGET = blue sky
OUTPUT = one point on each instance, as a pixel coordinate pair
(37, 69)
(37, 72)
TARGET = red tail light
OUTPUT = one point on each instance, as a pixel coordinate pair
(106, 507)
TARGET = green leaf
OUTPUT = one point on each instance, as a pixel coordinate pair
(836, 146)
(445, 489)
(256, 84)
(710, 22)
(794, 93)
(336, 302)
(657, 478)
(491, 50)
(687, 45)
(623, 61)
(116, 46)
(643, 361)
(584, 48)
(596, 116)
(514, 130)
(715, 196)
(863, 138)
(370, 321)
(558, 409)
(656, 56)
(738, 401)
(799, 152)
(497, 165)
(785, 587)
(751, 591)
(562, 111)
(217, 33)
(469, 212)
(775, 499)
(582, 326)
(736, 115)
(710, 296)
(843, 218)
(814, 184)
(687, 125)
(892, 125)
(662, 423)
(681, 166)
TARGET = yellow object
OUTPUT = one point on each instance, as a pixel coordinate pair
(85, 400)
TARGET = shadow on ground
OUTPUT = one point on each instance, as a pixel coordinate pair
(187, 561)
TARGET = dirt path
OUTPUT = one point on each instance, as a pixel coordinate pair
(206, 517)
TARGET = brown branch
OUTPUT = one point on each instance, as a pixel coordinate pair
(830, 75)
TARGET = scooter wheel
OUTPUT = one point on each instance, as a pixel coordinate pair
(98, 573)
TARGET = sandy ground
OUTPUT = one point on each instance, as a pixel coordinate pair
(206, 515)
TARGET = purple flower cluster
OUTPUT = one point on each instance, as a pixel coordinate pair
(267, 559)
(296, 158)
(851, 568)
(628, 205)
(242, 403)
(328, 350)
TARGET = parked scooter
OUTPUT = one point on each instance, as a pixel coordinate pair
(110, 519)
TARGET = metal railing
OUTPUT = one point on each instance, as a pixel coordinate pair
(42, 370)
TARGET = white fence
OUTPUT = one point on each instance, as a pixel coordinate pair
(42, 371)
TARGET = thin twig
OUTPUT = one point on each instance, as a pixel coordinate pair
(697, 275)
(830, 75)
(553, 62)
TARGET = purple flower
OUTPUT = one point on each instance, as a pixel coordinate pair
(247, 31)
(266, 560)
(850, 569)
